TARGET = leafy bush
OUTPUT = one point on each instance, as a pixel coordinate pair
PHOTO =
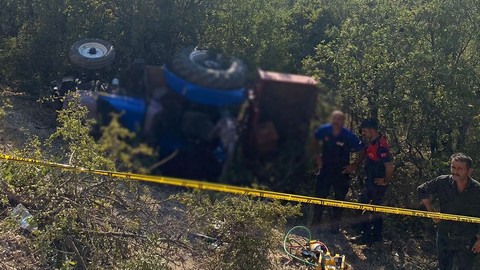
(87, 221)
(243, 229)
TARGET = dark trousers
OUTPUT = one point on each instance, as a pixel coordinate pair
(326, 180)
(455, 253)
(372, 226)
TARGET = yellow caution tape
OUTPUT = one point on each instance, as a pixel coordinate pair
(249, 191)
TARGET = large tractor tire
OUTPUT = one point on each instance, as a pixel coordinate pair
(92, 53)
(208, 69)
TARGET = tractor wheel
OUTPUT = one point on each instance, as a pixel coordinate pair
(92, 53)
(208, 69)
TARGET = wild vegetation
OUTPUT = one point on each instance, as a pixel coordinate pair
(413, 64)
(96, 222)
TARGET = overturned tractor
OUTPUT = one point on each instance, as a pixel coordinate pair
(196, 109)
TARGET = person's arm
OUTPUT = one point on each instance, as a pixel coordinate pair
(428, 204)
(316, 147)
(476, 246)
(425, 192)
(358, 160)
(389, 168)
(356, 146)
(317, 152)
(386, 158)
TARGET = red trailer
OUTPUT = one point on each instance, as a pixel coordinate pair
(281, 108)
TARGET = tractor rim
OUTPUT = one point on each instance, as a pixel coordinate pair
(92, 50)
(204, 59)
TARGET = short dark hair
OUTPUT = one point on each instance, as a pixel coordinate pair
(461, 157)
(369, 123)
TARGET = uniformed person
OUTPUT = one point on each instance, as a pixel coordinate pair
(333, 160)
(379, 171)
(457, 193)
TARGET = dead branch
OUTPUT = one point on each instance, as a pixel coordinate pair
(81, 262)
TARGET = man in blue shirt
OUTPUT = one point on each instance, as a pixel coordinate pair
(333, 160)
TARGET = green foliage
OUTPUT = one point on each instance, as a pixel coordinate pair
(4, 101)
(87, 221)
(243, 227)
(115, 144)
(35, 35)
(262, 40)
(412, 64)
(144, 262)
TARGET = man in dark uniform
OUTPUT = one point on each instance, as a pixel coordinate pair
(457, 193)
(379, 171)
(334, 163)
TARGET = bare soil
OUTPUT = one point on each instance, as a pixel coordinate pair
(25, 118)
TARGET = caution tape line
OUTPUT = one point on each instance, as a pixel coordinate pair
(248, 191)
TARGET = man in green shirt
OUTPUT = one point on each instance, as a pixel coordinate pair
(457, 193)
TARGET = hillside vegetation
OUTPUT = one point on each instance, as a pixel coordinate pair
(413, 64)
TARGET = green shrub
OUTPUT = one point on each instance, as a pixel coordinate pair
(86, 221)
(243, 229)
